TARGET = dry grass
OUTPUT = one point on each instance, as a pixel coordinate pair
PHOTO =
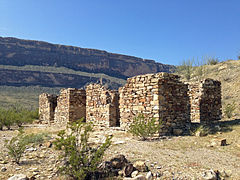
(228, 72)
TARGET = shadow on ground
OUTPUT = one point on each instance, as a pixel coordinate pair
(221, 126)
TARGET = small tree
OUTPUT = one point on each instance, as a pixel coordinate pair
(81, 159)
(143, 127)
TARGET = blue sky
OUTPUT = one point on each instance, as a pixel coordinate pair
(167, 31)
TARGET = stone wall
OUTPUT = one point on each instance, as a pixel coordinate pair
(161, 96)
(47, 105)
(205, 98)
(102, 106)
(71, 105)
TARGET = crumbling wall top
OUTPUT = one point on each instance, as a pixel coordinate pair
(161, 75)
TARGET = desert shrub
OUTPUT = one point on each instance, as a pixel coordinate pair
(16, 147)
(212, 61)
(1, 119)
(24, 116)
(36, 138)
(18, 144)
(186, 68)
(34, 114)
(16, 116)
(143, 127)
(7, 118)
(201, 131)
(229, 109)
(81, 158)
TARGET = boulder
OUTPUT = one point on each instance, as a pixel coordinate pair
(118, 162)
(141, 166)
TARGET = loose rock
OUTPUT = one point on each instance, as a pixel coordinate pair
(149, 175)
(134, 174)
(19, 177)
(140, 166)
(3, 169)
(209, 175)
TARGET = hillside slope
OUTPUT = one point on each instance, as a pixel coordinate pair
(228, 72)
(18, 52)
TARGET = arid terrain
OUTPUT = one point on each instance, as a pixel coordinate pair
(228, 73)
(171, 157)
(174, 157)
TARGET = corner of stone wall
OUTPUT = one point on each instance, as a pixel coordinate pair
(102, 106)
(47, 105)
(162, 96)
(205, 97)
(71, 105)
(174, 105)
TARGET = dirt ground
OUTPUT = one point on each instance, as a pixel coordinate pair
(175, 157)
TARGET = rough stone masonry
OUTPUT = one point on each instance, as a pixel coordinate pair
(71, 105)
(205, 99)
(102, 106)
(47, 105)
(162, 96)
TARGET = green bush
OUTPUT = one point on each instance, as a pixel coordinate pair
(2, 118)
(18, 144)
(229, 109)
(34, 114)
(16, 116)
(144, 128)
(81, 159)
(16, 147)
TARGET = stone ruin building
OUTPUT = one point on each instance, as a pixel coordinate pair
(162, 96)
(70, 105)
(205, 100)
(47, 105)
(102, 107)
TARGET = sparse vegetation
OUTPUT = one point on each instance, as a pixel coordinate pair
(195, 67)
(212, 61)
(229, 109)
(143, 127)
(186, 68)
(18, 144)
(16, 116)
(201, 131)
(81, 158)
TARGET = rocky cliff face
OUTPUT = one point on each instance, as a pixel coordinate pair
(20, 52)
(48, 79)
